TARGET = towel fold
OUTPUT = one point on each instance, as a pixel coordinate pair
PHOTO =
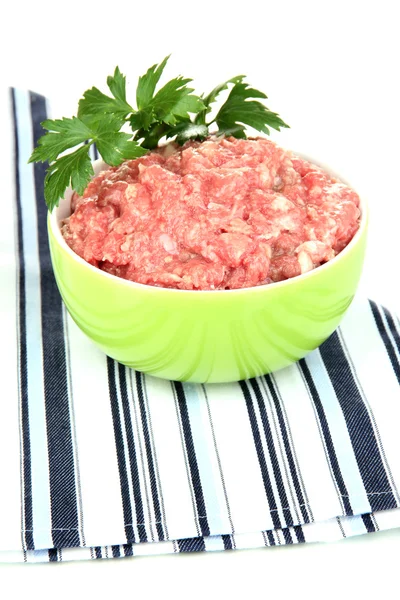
(100, 461)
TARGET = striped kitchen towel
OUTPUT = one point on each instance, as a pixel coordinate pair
(100, 461)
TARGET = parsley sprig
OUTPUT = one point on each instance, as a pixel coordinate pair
(172, 111)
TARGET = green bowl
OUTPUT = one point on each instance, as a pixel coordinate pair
(205, 336)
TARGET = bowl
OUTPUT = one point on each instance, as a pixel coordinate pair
(206, 336)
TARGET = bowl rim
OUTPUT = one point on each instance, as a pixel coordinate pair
(54, 225)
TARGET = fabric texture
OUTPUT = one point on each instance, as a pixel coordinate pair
(100, 461)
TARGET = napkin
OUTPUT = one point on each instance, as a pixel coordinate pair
(100, 461)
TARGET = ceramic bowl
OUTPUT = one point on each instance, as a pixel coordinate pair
(205, 336)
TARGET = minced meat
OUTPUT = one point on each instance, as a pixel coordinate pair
(220, 214)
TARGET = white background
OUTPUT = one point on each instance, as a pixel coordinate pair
(331, 69)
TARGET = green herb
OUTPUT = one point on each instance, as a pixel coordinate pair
(171, 112)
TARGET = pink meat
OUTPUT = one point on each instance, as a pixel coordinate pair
(220, 214)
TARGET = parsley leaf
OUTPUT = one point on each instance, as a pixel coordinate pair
(117, 85)
(142, 119)
(114, 145)
(147, 84)
(171, 103)
(175, 100)
(238, 111)
(94, 102)
(74, 168)
(212, 96)
(62, 135)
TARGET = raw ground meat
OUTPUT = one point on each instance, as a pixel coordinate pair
(220, 214)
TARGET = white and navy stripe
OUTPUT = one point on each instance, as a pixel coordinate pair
(138, 465)
(192, 460)
(50, 515)
(299, 493)
(366, 447)
(27, 514)
(327, 439)
(144, 418)
(63, 489)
